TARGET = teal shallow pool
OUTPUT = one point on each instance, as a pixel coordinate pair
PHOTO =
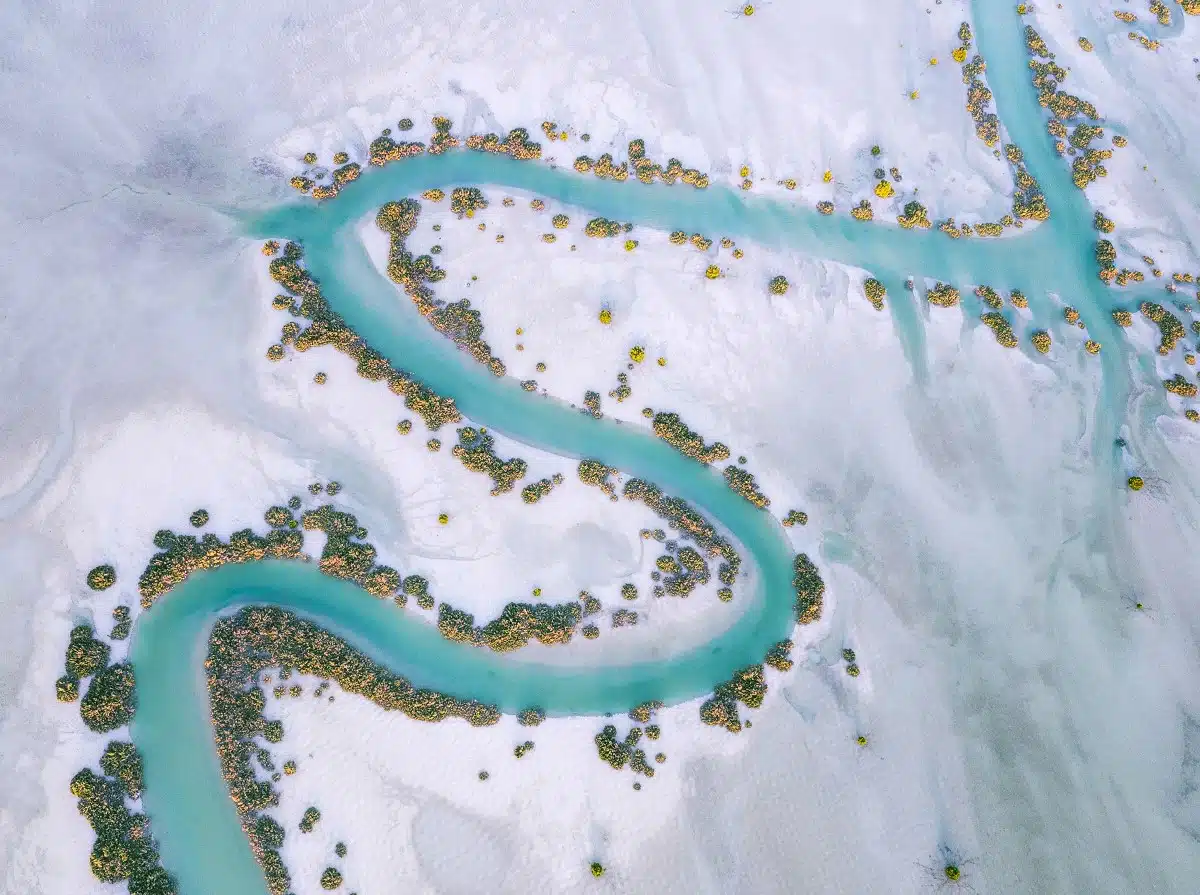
(193, 818)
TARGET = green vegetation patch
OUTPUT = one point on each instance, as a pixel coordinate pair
(619, 753)
(476, 451)
(741, 481)
(109, 701)
(328, 328)
(123, 850)
(675, 432)
(122, 761)
(102, 577)
(85, 654)
(180, 555)
(516, 625)
(747, 686)
(260, 637)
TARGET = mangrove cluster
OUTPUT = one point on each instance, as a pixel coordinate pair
(747, 685)
(326, 327)
(675, 432)
(244, 645)
(517, 624)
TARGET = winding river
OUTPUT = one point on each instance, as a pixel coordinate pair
(195, 822)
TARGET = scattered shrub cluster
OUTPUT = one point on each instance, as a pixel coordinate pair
(691, 524)
(258, 637)
(603, 228)
(327, 328)
(466, 200)
(596, 474)
(85, 657)
(619, 753)
(539, 489)
(623, 617)
(456, 320)
(1087, 166)
(517, 624)
(517, 144)
(1179, 386)
(123, 622)
(644, 168)
(124, 850)
(476, 451)
(684, 570)
(863, 211)
(915, 215)
(747, 685)
(346, 555)
(531, 717)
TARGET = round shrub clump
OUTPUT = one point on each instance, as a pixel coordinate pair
(102, 577)
(330, 878)
(778, 285)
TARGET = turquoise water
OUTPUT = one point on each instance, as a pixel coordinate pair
(201, 839)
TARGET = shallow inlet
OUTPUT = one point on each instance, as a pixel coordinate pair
(201, 839)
